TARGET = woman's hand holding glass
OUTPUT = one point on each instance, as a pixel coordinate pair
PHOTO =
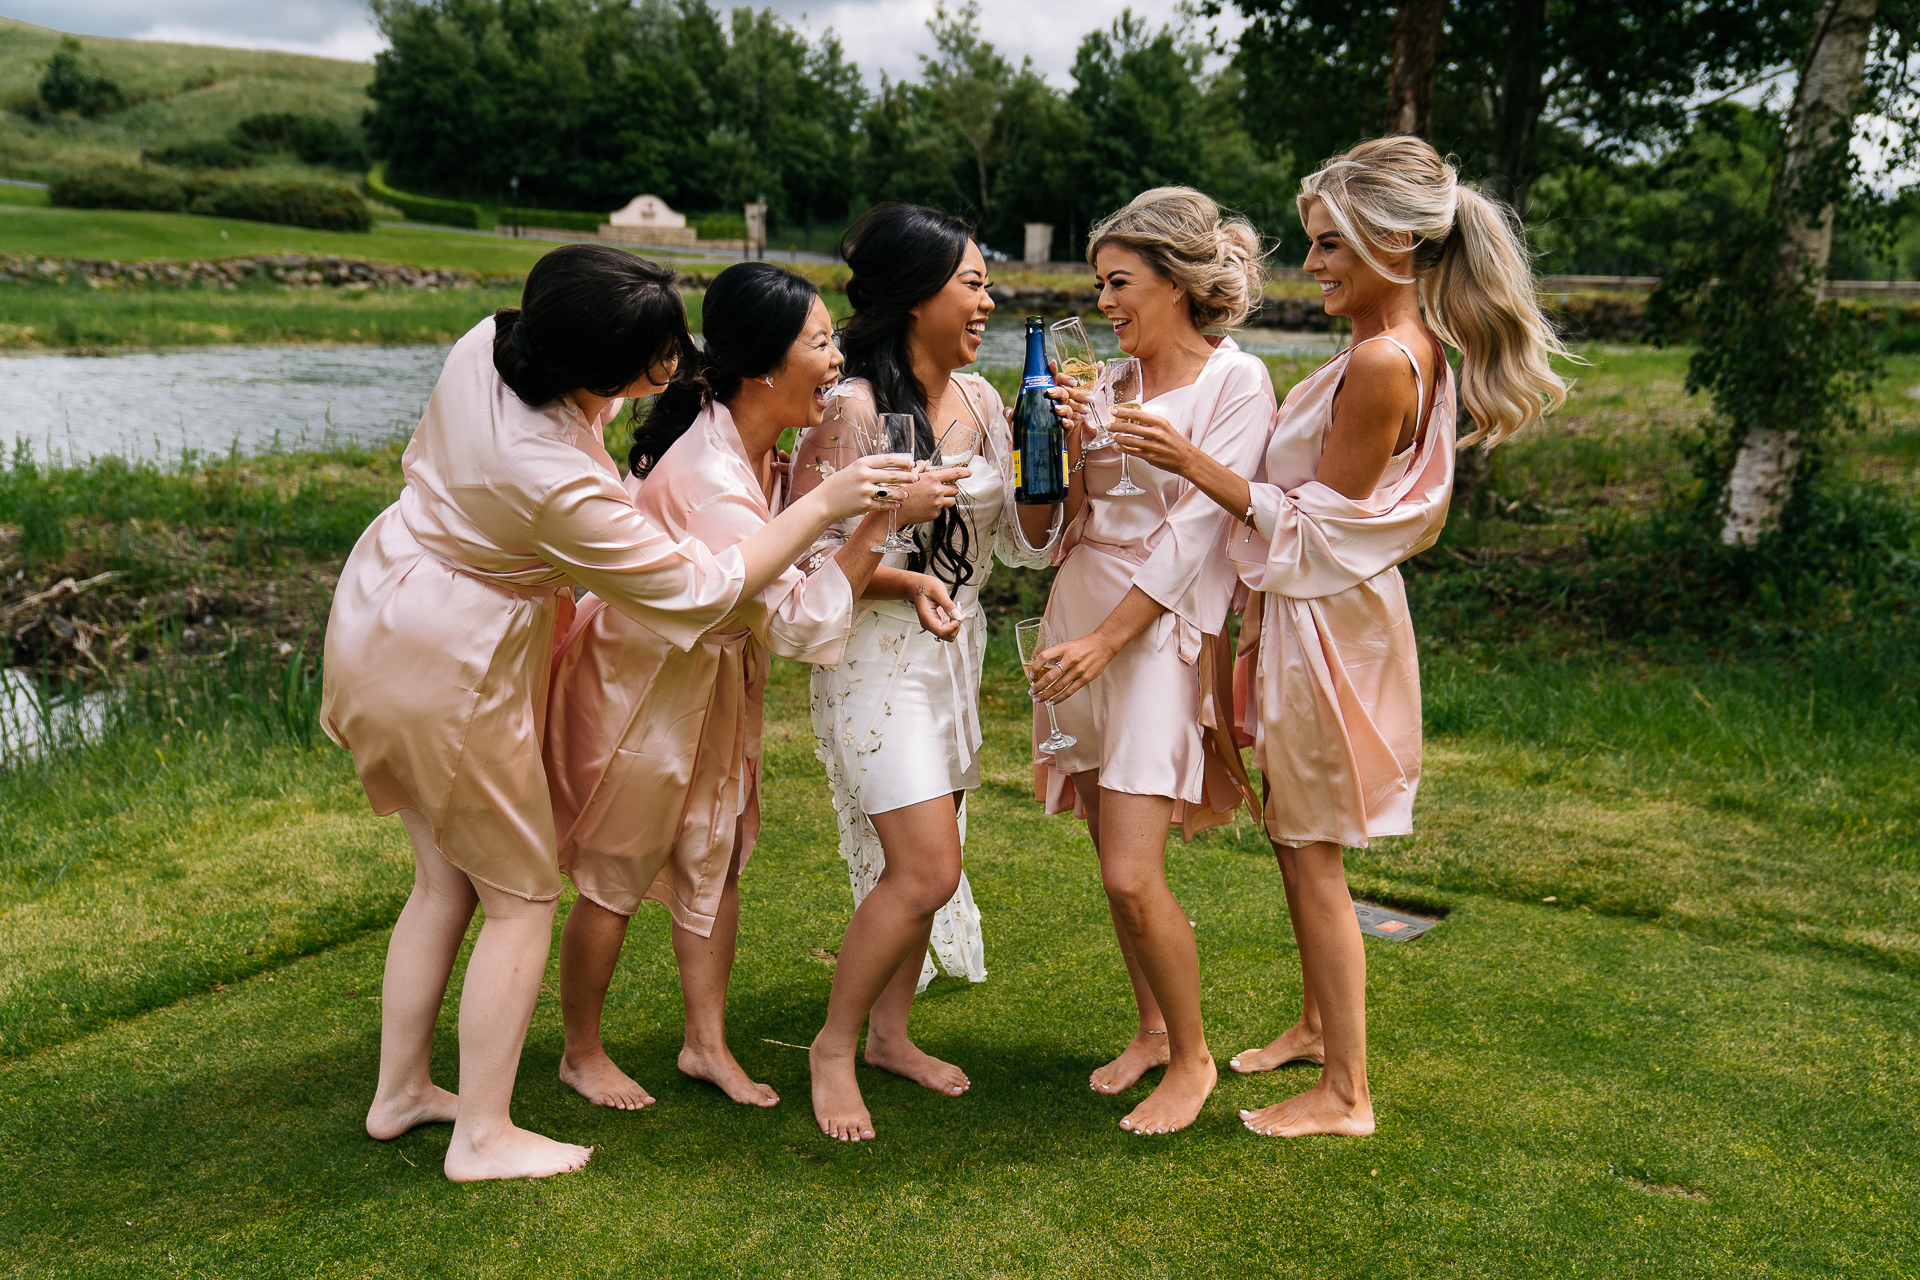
(1153, 439)
(1062, 670)
(933, 490)
(866, 484)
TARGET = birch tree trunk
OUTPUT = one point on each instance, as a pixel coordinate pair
(1822, 116)
(1416, 46)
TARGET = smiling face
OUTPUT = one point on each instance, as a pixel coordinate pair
(946, 329)
(1348, 286)
(798, 397)
(1148, 310)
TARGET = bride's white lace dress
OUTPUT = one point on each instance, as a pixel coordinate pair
(897, 721)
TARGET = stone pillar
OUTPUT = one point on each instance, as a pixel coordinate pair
(756, 229)
(1039, 242)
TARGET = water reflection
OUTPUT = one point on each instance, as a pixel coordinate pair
(155, 404)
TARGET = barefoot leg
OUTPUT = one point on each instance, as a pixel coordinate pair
(1335, 964)
(420, 957)
(590, 946)
(884, 943)
(706, 967)
(1133, 850)
(1148, 1048)
(1302, 1042)
(890, 1048)
(496, 1003)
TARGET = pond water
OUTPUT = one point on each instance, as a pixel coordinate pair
(30, 721)
(155, 405)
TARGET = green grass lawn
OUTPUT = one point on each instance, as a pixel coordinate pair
(1672, 1085)
(134, 237)
(191, 93)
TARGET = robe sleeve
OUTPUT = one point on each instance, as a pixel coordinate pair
(587, 526)
(1313, 541)
(802, 615)
(823, 450)
(1185, 572)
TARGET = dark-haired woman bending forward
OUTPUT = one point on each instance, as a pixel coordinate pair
(437, 658)
(654, 751)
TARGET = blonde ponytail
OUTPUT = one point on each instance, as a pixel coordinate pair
(1470, 259)
(1182, 236)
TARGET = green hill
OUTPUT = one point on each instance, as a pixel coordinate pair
(178, 92)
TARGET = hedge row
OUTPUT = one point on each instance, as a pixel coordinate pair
(451, 213)
(558, 219)
(297, 204)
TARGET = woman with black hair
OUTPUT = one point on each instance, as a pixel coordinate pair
(437, 657)
(654, 751)
(897, 724)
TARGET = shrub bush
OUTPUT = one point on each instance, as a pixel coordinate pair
(70, 85)
(555, 218)
(294, 204)
(315, 139)
(719, 226)
(118, 186)
(205, 155)
(324, 206)
(452, 213)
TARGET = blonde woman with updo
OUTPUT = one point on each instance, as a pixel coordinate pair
(1140, 603)
(1356, 479)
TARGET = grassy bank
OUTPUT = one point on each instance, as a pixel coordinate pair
(1563, 1087)
(186, 93)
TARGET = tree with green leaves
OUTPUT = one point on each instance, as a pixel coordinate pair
(1784, 364)
(1521, 87)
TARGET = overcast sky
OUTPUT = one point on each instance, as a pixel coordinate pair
(879, 35)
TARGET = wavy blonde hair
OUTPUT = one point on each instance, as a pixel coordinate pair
(1470, 261)
(1180, 232)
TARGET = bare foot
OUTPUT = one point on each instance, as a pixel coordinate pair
(1142, 1054)
(905, 1058)
(1318, 1110)
(837, 1103)
(595, 1078)
(1295, 1044)
(1176, 1102)
(388, 1118)
(722, 1072)
(515, 1153)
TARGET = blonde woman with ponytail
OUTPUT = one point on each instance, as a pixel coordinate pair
(1144, 680)
(1356, 479)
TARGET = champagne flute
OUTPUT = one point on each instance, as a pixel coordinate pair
(1073, 356)
(1034, 637)
(959, 444)
(892, 433)
(1126, 381)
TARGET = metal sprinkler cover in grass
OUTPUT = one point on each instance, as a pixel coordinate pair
(1379, 922)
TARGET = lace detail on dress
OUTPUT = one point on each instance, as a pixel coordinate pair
(957, 939)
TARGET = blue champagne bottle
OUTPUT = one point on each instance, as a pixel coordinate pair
(1039, 443)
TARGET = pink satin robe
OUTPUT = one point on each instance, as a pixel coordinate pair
(438, 646)
(1152, 723)
(653, 753)
(1333, 698)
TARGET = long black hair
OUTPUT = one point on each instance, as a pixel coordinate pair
(901, 255)
(752, 315)
(591, 317)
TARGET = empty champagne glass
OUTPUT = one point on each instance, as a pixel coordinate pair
(1126, 381)
(959, 444)
(1073, 356)
(1034, 637)
(893, 433)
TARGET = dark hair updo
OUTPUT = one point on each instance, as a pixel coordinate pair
(591, 317)
(901, 255)
(750, 319)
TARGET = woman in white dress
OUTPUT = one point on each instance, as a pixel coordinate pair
(897, 721)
